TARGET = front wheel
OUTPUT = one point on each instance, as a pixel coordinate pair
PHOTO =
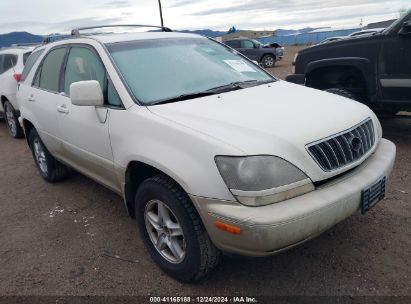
(12, 121)
(49, 168)
(268, 61)
(172, 230)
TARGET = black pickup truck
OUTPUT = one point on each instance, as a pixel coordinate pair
(373, 69)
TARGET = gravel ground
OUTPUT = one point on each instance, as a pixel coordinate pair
(75, 238)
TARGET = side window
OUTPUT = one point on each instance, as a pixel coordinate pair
(236, 44)
(83, 64)
(247, 44)
(9, 61)
(25, 57)
(112, 96)
(1, 64)
(31, 60)
(49, 73)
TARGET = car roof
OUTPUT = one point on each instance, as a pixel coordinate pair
(16, 49)
(107, 38)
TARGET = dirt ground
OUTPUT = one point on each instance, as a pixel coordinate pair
(75, 238)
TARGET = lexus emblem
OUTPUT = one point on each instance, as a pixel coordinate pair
(355, 143)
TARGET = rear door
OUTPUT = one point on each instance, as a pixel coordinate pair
(42, 98)
(83, 130)
(395, 66)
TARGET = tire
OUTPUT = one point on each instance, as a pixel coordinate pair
(13, 125)
(268, 61)
(344, 93)
(197, 255)
(49, 168)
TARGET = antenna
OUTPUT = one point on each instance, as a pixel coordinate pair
(161, 13)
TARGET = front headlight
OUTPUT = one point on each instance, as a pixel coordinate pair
(262, 180)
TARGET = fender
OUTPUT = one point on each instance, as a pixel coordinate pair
(362, 64)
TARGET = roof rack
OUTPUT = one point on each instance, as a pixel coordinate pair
(55, 37)
(76, 32)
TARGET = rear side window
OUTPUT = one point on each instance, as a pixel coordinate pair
(25, 57)
(7, 61)
(83, 64)
(30, 61)
(49, 73)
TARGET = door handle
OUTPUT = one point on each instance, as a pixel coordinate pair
(62, 109)
(31, 98)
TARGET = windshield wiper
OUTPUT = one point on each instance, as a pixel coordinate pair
(183, 97)
(217, 90)
(239, 85)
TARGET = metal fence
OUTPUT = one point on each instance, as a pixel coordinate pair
(307, 38)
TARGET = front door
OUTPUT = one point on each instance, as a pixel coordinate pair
(249, 50)
(84, 129)
(395, 65)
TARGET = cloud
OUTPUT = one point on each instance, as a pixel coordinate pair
(63, 26)
(290, 6)
(46, 16)
(117, 3)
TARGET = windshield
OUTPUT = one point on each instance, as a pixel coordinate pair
(406, 17)
(257, 42)
(162, 69)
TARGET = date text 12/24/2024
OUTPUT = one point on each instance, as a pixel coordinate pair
(237, 299)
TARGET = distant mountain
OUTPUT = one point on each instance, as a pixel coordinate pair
(19, 37)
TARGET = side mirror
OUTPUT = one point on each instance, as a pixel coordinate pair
(405, 29)
(86, 93)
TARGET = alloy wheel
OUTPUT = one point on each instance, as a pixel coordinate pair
(269, 61)
(11, 122)
(40, 155)
(165, 231)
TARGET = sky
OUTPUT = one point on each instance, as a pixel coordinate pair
(51, 16)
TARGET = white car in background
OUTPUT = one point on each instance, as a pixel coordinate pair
(210, 153)
(12, 61)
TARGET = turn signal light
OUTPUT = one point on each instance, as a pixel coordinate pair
(227, 227)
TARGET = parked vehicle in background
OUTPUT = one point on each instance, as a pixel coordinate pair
(374, 69)
(331, 39)
(267, 55)
(12, 60)
(223, 157)
(366, 32)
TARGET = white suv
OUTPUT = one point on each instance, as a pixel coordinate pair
(12, 61)
(210, 153)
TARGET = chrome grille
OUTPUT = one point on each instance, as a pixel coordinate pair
(344, 148)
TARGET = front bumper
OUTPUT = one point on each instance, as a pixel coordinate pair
(269, 229)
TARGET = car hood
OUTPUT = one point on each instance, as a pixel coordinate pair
(275, 119)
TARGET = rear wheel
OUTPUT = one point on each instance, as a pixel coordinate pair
(49, 168)
(12, 121)
(172, 230)
(345, 93)
(268, 61)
